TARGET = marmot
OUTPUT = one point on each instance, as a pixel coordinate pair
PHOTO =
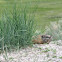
(41, 39)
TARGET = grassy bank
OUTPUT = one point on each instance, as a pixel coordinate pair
(44, 11)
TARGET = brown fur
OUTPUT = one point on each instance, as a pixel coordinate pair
(41, 39)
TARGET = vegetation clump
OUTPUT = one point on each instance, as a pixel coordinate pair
(16, 29)
(55, 30)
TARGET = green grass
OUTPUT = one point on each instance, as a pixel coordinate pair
(44, 10)
(46, 50)
(55, 30)
(16, 28)
(60, 57)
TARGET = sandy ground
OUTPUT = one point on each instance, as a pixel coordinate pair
(38, 53)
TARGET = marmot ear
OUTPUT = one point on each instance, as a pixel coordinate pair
(42, 36)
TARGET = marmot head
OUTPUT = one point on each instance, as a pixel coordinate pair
(46, 38)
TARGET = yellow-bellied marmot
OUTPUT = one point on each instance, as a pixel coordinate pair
(41, 39)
